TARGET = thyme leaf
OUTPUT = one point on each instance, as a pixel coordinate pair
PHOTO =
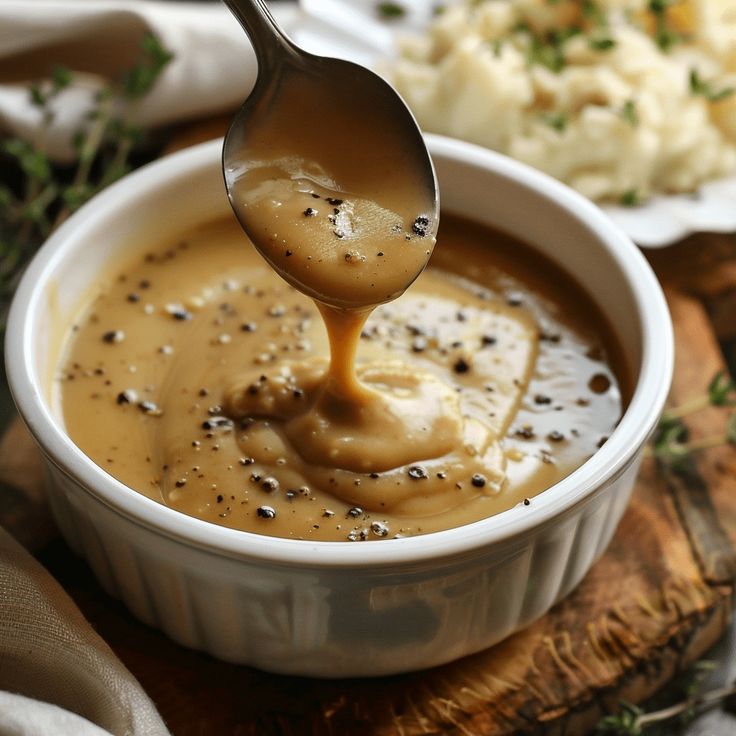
(705, 89)
(670, 444)
(664, 36)
(548, 50)
(630, 114)
(35, 195)
(391, 10)
(722, 390)
(603, 43)
(623, 723)
(140, 78)
(630, 198)
(555, 120)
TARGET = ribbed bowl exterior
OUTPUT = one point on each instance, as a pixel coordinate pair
(335, 623)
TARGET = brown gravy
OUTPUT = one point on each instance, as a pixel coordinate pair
(349, 242)
(197, 377)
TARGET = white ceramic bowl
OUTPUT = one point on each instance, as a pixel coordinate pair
(339, 608)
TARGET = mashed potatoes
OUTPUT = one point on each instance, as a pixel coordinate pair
(618, 98)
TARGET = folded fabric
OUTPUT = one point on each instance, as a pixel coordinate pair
(50, 654)
(27, 717)
(58, 676)
(213, 68)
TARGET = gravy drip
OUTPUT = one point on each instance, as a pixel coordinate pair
(350, 252)
(197, 377)
(352, 229)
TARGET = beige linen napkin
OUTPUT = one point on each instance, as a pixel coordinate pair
(49, 653)
(55, 669)
(212, 72)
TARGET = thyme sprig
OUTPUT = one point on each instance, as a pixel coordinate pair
(721, 391)
(671, 445)
(632, 720)
(36, 196)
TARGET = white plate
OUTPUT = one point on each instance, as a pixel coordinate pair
(351, 30)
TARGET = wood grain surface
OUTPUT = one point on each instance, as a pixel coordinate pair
(659, 597)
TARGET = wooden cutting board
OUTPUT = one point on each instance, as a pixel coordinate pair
(654, 603)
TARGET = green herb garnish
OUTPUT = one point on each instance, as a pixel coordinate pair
(664, 37)
(630, 114)
(548, 50)
(623, 723)
(631, 198)
(722, 390)
(601, 44)
(556, 120)
(632, 720)
(391, 10)
(36, 196)
(705, 89)
(141, 77)
(671, 445)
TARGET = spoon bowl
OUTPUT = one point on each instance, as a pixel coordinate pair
(334, 131)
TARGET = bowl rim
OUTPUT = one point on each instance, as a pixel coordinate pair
(611, 460)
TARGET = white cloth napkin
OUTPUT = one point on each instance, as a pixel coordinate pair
(212, 72)
(59, 676)
(21, 716)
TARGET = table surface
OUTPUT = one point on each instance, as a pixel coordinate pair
(705, 266)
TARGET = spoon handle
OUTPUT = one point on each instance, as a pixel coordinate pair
(267, 38)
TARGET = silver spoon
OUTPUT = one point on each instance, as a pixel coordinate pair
(332, 111)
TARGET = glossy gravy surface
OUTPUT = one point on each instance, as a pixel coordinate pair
(195, 376)
(349, 252)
